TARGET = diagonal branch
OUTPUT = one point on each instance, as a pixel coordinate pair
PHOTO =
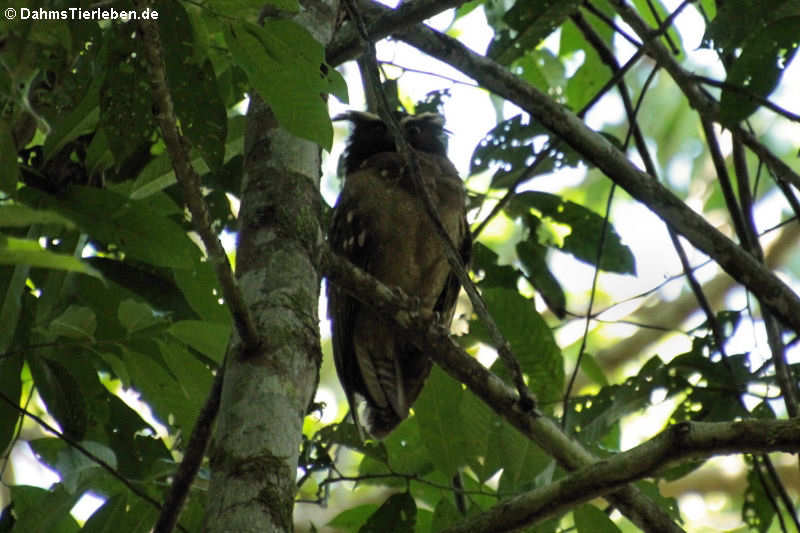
(421, 329)
(243, 320)
(680, 443)
(598, 150)
(380, 22)
(190, 182)
(699, 99)
(131, 485)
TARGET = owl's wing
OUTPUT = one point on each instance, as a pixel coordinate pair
(452, 203)
(446, 304)
(346, 225)
(379, 225)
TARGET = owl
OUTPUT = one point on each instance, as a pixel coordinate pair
(381, 226)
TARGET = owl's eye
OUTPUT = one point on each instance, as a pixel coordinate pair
(414, 130)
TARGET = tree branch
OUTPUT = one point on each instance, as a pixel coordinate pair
(92, 457)
(599, 151)
(420, 327)
(190, 182)
(749, 94)
(527, 400)
(680, 443)
(699, 99)
(671, 314)
(380, 22)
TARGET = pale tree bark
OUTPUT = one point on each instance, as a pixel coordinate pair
(266, 393)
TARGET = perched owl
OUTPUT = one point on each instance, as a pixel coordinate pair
(381, 226)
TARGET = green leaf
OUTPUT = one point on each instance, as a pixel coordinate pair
(353, 518)
(25, 252)
(21, 216)
(437, 411)
(108, 517)
(71, 464)
(405, 452)
(485, 260)
(592, 417)
(543, 70)
(398, 514)
(194, 381)
(669, 505)
(522, 460)
(8, 160)
(445, 514)
(30, 504)
(250, 9)
(533, 256)
(590, 519)
(585, 82)
(151, 284)
(158, 174)
(98, 154)
(346, 434)
(201, 290)
(14, 293)
(138, 456)
(172, 381)
(123, 512)
(479, 422)
(592, 369)
(207, 338)
(61, 393)
(757, 509)
(645, 9)
(586, 227)
(466, 8)
(510, 146)
(79, 121)
(532, 21)
(531, 341)
(282, 61)
(193, 85)
(135, 316)
(11, 385)
(736, 21)
(134, 226)
(765, 56)
(717, 398)
(76, 322)
(126, 105)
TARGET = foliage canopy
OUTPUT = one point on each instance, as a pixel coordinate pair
(104, 289)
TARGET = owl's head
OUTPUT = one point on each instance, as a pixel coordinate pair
(370, 135)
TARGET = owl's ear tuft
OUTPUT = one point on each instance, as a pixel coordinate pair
(357, 117)
(425, 132)
(368, 137)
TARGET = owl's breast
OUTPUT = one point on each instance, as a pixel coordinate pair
(407, 251)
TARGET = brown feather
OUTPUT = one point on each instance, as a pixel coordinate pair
(381, 226)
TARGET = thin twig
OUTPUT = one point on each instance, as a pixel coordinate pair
(596, 149)
(699, 99)
(89, 455)
(190, 181)
(242, 319)
(765, 102)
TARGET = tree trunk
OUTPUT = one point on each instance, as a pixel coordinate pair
(266, 394)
